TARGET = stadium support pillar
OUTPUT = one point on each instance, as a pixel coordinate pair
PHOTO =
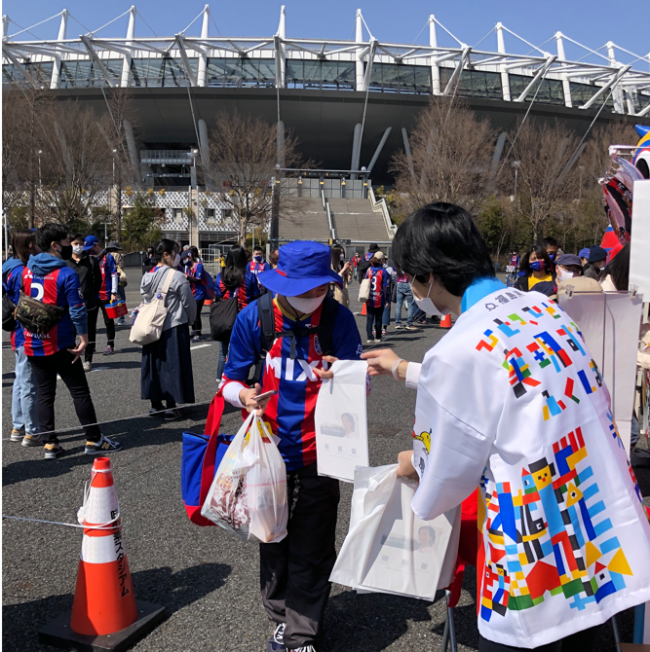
(5, 26)
(407, 150)
(617, 93)
(204, 145)
(56, 68)
(356, 150)
(501, 48)
(566, 86)
(280, 144)
(435, 70)
(382, 142)
(130, 34)
(496, 157)
(280, 57)
(359, 62)
(203, 57)
(133, 152)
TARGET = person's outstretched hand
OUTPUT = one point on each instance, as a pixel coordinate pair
(405, 467)
(247, 399)
(380, 361)
(325, 374)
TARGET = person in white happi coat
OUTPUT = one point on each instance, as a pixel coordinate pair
(512, 401)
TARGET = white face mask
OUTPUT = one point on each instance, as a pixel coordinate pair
(426, 305)
(563, 274)
(177, 261)
(306, 306)
(79, 249)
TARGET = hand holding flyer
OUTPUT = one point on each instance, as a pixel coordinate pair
(341, 421)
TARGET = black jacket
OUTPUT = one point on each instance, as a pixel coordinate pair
(90, 278)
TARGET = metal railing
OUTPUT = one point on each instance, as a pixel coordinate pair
(382, 207)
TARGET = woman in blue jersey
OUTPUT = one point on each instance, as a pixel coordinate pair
(379, 294)
(235, 280)
(195, 274)
(24, 411)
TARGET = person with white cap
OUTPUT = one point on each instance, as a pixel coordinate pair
(308, 331)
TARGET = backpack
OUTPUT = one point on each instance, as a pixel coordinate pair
(8, 312)
(150, 317)
(209, 286)
(324, 330)
(223, 313)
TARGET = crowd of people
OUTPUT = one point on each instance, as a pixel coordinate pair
(482, 429)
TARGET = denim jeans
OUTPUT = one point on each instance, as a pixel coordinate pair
(223, 352)
(24, 403)
(404, 293)
(385, 319)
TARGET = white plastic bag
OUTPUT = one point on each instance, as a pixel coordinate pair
(389, 549)
(341, 421)
(248, 495)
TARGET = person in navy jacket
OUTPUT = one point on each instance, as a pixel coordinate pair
(294, 573)
(47, 278)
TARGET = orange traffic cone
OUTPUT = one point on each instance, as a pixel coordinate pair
(364, 310)
(445, 322)
(104, 603)
(207, 302)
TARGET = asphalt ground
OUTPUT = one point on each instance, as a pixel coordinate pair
(207, 580)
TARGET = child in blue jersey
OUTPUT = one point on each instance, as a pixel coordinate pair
(195, 274)
(47, 278)
(295, 572)
(24, 407)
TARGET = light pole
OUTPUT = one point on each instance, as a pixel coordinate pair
(40, 178)
(193, 188)
(515, 165)
(113, 185)
(581, 168)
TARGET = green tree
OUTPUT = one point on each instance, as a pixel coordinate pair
(141, 224)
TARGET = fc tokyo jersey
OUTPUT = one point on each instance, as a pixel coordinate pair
(379, 286)
(290, 413)
(249, 290)
(256, 267)
(12, 283)
(108, 268)
(196, 272)
(59, 287)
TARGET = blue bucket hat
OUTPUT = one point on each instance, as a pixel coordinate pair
(584, 253)
(302, 266)
(90, 242)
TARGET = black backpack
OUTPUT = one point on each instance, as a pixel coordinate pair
(223, 313)
(324, 330)
(8, 312)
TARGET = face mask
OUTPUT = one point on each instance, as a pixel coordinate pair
(342, 257)
(426, 305)
(563, 275)
(537, 266)
(258, 259)
(177, 261)
(66, 251)
(306, 306)
(551, 255)
(78, 249)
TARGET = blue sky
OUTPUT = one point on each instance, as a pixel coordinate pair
(590, 22)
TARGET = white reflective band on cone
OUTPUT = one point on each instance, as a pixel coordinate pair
(100, 550)
(101, 505)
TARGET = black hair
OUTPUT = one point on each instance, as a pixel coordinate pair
(258, 249)
(336, 252)
(429, 530)
(619, 268)
(165, 246)
(549, 241)
(442, 239)
(50, 233)
(21, 239)
(349, 416)
(540, 252)
(235, 270)
(77, 236)
(195, 252)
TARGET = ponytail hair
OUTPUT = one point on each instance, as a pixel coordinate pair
(164, 246)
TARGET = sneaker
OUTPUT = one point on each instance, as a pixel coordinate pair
(398, 326)
(17, 435)
(155, 412)
(303, 648)
(121, 322)
(196, 338)
(30, 441)
(87, 366)
(172, 415)
(276, 642)
(109, 350)
(102, 446)
(411, 328)
(52, 451)
(384, 331)
(371, 340)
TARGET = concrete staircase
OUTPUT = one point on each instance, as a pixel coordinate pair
(354, 219)
(306, 221)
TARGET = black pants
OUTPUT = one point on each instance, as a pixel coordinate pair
(197, 327)
(374, 317)
(294, 574)
(46, 368)
(92, 329)
(579, 642)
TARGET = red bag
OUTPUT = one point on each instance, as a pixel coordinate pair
(117, 309)
(199, 462)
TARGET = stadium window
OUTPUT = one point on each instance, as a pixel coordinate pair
(582, 93)
(474, 83)
(41, 70)
(400, 78)
(550, 90)
(237, 72)
(174, 73)
(316, 74)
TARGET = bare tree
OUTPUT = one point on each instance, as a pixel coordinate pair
(243, 158)
(450, 149)
(546, 181)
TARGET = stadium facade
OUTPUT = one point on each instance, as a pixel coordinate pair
(350, 103)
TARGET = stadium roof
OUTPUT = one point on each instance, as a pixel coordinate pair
(597, 79)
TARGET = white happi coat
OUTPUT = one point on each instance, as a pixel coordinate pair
(512, 401)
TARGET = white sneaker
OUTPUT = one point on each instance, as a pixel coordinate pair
(371, 340)
(87, 366)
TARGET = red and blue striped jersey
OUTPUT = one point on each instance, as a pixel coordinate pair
(290, 412)
(196, 271)
(379, 286)
(13, 282)
(256, 267)
(249, 290)
(108, 268)
(59, 287)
